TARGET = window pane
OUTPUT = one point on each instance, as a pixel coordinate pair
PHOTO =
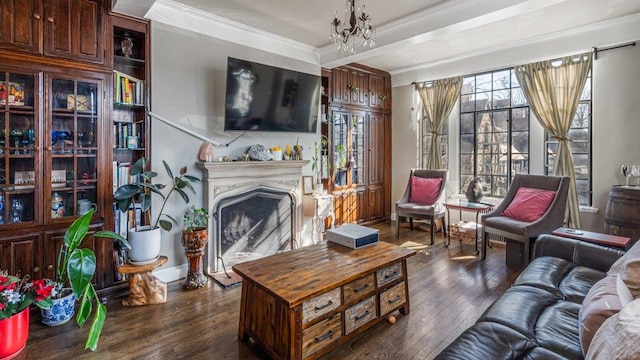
(467, 103)
(466, 123)
(581, 166)
(466, 165)
(483, 101)
(501, 79)
(520, 119)
(586, 91)
(581, 118)
(483, 83)
(466, 144)
(517, 97)
(501, 99)
(468, 85)
(520, 142)
(500, 121)
(582, 187)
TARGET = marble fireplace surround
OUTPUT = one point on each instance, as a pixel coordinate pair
(225, 179)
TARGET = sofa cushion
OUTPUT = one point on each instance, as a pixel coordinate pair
(424, 190)
(601, 303)
(619, 335)
(529, 204)
(519, 308)
(556, 329)
(473, 344)
(560, 277)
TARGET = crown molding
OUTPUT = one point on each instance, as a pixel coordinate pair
(577, 40)
(189, 18)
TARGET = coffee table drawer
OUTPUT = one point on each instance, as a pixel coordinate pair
(321, 334)
(320, 305)
(389, 274)
(359, 288)
(392, 298)
(359, 314)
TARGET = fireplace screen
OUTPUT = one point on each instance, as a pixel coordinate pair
(254, 225)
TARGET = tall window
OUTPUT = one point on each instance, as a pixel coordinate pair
(494, 130)
(580, 135)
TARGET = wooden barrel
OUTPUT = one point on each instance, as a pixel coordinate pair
(622, 216)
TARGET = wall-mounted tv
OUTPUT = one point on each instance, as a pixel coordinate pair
(266, 98)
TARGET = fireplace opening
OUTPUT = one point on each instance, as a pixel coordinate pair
(254, 224)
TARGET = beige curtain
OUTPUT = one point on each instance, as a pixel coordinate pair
(553, 89)
(438, 98)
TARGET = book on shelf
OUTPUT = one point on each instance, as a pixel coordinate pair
(127, 135)
(127, 89)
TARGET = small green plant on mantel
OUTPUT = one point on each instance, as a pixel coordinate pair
(195, 218)
(140, 190)
(77, 266)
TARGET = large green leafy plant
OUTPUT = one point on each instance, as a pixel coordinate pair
(141, 188)
(77, 266)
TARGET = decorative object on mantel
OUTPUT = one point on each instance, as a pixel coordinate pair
(355, 31)
(276, 152)
(297, 150)
(287, 152)
(474, 190)
(259, 153)
(206, 152)
(195, 237)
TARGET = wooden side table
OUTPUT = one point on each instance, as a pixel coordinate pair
(144, 288)
(477, 208)
(613, 241)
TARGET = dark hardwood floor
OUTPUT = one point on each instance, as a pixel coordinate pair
(449, 288)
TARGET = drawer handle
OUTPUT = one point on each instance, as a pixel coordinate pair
(324, 337)
(329, 303)
(360, 317)
(393, 274)
(395, 300)
(361, 289)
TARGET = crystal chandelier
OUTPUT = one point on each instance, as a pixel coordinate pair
(354, 31)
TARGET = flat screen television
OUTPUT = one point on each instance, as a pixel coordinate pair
(266, 98)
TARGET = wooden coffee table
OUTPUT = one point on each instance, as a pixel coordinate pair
(614, 241)
(306, 302)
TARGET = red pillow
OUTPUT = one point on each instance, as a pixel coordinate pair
(529, 204)
(424, 190)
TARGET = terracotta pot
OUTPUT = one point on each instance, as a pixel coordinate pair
(61, 310)
(14, 332)
(145, 245)
(194, 243)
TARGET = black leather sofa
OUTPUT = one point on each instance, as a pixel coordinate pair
(537, 318)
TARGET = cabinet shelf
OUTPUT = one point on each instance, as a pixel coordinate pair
(133, 106)
(128, 61)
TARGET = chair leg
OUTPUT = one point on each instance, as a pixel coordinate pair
(444, 226)
(433, 229)
(411, 223)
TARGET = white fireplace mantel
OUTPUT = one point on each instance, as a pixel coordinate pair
(223, 179)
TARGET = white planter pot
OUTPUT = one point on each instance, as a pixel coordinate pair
(145, 245)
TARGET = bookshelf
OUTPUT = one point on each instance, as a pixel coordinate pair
(130, 122)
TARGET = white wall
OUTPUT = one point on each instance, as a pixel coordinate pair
(615, 124)
(188, 77)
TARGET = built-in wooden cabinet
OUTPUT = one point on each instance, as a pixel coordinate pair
(70, 29)
(359, 144)
(58, 116)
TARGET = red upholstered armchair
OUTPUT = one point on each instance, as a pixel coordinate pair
(422, 199)
(522, 225)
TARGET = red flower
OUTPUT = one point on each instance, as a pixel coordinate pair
(1, 306)
(42, 289)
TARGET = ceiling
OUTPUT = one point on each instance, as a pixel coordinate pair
(411, 33)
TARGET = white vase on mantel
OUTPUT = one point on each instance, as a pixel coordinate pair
(318, 188)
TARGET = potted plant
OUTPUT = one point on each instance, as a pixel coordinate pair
(194, 239)
(316, 163)
(145, 240)
(76, 266)
(15, 297)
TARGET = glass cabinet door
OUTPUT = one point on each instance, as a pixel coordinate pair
(356, 161)
(340, 130)
(19, 181)
(348, 131)
(72, 144)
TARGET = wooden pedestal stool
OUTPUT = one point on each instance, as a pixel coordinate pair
(144, 288)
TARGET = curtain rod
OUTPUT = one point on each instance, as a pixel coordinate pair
(606, 48)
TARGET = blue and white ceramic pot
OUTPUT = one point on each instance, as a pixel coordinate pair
(61, 310)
